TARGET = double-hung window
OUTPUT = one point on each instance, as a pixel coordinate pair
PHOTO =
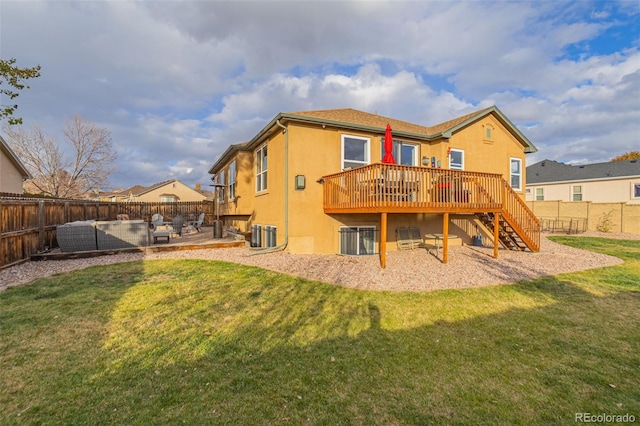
(355, 151)
(261, 169)
(456, 159)
(576, 193)
(232, 180)
(539, 194)
(516, 173)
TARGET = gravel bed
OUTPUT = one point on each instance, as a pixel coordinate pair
(414, 270)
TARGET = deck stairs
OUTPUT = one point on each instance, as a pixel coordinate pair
(506, 234)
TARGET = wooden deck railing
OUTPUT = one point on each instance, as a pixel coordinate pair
(392, 188)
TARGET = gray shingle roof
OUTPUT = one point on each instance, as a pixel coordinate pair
(548, 171)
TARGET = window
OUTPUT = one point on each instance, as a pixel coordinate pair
(403, 153)
(256, 236)
(576, 193)
(355, 152)
(168, 199)
(456, 159)
(270, 234)
(220, 181)
(539, 194)
(357, 240)
(232, 180)
(516, 173)
(261, 169)
(635, 190)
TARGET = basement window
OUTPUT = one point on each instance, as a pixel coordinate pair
(357, 240)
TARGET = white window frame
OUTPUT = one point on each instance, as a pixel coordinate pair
(270, 236)
(455, 166)
(367, 156)
(168, 198)
(539, 196)
(256, 235)
(512, 174)
(397, 151)
(232, 180)
(262, 153)
(574, 193)
(358, 229)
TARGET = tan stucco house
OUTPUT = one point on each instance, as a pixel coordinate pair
(610, 182)
(170, 191)
(12, 172)
(313, 182)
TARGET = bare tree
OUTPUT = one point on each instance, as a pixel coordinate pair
(84, 166)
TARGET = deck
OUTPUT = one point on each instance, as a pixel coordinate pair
(391, 188)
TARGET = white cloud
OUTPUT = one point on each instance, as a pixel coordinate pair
(178, 82)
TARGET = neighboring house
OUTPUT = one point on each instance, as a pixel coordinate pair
(313, 181)
(170, 191)
(615, 181)
(12, 172)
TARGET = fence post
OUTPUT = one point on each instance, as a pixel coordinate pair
(41, 224)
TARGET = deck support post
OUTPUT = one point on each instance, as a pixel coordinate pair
(445, 237)
(496, 233)
(383, 240)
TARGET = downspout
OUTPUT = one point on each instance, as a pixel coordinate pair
(282, 246)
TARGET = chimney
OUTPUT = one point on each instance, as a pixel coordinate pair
(198, 187)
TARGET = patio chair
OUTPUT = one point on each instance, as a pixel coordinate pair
(197, 224)
(403, 239)
(177, 223)
(415, 237)
(156, 220)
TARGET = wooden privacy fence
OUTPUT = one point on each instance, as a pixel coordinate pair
(28, 226)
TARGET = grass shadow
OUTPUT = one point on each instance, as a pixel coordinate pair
(217, 343)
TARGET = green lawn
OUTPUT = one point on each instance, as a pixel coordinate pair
(164, 342)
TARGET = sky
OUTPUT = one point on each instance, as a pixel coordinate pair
(177, 82)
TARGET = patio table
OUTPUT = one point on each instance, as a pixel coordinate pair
(438, 240)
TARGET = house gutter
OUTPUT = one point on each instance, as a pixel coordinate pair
(282, 246)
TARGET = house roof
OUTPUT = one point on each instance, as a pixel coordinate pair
(156, 186)
(348, 118)
(549, 171)
(4, 147)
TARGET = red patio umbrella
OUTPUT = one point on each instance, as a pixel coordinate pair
(388, 147)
